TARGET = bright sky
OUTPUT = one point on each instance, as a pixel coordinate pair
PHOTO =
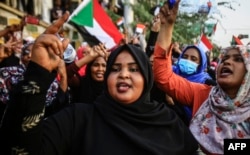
(233, 22)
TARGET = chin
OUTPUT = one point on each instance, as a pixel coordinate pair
(99, 79)
(222, 82)
(125, 101)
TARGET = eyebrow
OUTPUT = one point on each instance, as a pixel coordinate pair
(131, 63)
(234, 55)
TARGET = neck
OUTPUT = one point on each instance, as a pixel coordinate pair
(232, 93)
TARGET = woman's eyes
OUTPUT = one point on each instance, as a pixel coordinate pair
(97, 65)
(135, 69)
(223, 59)
(236, 59)
(239, 59)
(130, 69)
(115, 69)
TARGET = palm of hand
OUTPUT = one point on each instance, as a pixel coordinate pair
(44, 54)
(48, 49)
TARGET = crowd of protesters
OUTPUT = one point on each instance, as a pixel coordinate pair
(134, 99)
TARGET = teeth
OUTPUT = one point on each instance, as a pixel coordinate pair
(123, 85)
(99, 75)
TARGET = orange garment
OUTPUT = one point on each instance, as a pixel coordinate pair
(179, 88)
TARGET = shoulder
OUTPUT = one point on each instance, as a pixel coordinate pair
(76, 113)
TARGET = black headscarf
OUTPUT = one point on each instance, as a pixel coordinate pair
(90, 89)
(149, 126)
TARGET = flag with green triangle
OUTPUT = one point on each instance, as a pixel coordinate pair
(83, 15)
(93, 23)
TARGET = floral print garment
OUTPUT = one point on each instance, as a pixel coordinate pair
(220, 117)
(10, 76)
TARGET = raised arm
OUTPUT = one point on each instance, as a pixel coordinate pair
(167, 18)
(155, 28)
(174, 85)
(21, 129)
(24, 129)
(92, 54)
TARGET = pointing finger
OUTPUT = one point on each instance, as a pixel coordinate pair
(54, 28)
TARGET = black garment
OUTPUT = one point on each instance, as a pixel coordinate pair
(28, 6)
(158, 95)
(151, 43)
(61, 100)
(105, 127)
(55, 13)
(12, 60)
(212, 73)
(89, 89)
(2, 109)
(211, 82)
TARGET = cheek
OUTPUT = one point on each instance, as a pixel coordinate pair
(242, 72)
(218, 69)
(111, 82)
(92, 70)
(139, 82)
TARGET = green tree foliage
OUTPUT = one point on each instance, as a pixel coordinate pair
(187, 28)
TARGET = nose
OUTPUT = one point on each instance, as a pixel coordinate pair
(188, 58)
(228, 61)
(124, 73)
(102, 68)
(29, 55)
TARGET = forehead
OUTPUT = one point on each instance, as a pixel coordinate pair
(231, 51)
(100, 60)
(191, 51)
(124, 56)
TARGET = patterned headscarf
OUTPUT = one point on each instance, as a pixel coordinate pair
(220, 117)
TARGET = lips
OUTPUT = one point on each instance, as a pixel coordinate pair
(226, 71)
(99, 75)
(123, 86)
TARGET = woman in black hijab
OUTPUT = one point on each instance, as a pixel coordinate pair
(121, 121)
(91, 84)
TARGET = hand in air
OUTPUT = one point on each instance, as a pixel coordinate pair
(48, 48)
(168, 15)
(99, 50)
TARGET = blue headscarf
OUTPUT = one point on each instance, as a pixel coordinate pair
(200, 76)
